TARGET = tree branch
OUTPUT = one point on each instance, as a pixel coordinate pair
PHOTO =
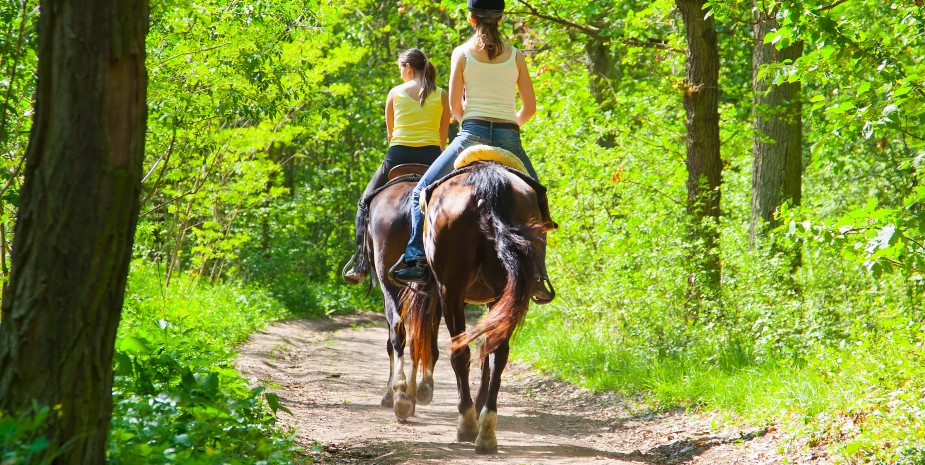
(583, 28)
(829, 7)
(654, 43)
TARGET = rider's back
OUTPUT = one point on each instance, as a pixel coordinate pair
(491, 85)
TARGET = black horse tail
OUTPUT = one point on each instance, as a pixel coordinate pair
(516, 247)
(419, 311)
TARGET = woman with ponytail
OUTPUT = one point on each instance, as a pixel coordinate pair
(417, 120)
(486, 75)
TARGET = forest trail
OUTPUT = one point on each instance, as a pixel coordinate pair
(332, 373)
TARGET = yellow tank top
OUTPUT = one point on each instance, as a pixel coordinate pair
(417, 126)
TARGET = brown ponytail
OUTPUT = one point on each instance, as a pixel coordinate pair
(428, 81)
(487, 35)
(422, 66)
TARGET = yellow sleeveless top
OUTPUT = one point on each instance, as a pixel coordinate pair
(417, 126)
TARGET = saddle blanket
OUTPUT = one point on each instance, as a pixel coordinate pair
(488, 153)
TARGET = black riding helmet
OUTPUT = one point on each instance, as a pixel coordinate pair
(492, 6)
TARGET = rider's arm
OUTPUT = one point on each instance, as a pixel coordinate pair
(390, 115)
(456, 82)
(525, 89)
(444, 120)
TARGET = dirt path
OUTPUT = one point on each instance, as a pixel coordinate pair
(332, 373)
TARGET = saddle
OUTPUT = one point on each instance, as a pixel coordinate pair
(467, 160)
(407, 169)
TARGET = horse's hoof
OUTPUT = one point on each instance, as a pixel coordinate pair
(462, 436)
(425, 393)
(404, 408)
(387, 400)
(487, 442)
(486, 448)
(467, 428)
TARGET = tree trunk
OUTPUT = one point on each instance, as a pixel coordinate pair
(777, 162)
(603, 72)
(704, 165)
(77, 215)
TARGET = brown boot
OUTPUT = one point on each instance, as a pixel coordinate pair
(541, 294)
(352, 275)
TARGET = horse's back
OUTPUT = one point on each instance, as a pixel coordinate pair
(389, 226)
(456, 238)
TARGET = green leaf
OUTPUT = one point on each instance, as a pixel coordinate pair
(273, 402)
(902, 90)
(133, 345)
(37, 445)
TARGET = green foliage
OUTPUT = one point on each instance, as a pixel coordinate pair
(22, 440)
(266, 122)
(177, 397)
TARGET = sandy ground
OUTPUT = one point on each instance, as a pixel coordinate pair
(332, 374)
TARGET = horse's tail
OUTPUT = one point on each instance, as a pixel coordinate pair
(515, 244)
(419, 310)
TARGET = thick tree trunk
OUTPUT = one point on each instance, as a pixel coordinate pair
(704, 165)
(76, 222)
(777, 162)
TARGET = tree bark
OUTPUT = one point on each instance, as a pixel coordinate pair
(603, 72)
(777, 157)
(704, 165)
(76, 222)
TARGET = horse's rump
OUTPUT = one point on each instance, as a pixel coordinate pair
(485, 225)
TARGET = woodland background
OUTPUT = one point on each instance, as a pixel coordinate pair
(772, 269)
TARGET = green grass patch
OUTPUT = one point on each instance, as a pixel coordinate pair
(865, 399)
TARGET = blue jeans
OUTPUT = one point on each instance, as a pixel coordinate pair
(472, 132)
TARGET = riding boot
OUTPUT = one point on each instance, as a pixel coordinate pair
(415, 271)
(353, 275)
(542, 294)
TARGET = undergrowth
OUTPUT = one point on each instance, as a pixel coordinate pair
(177, 397)
(839, 362)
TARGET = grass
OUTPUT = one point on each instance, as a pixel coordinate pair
(865, 399)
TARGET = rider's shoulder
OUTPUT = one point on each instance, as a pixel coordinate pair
(460, 50)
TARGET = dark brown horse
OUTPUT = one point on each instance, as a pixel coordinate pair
(483, 241)
(388, 228)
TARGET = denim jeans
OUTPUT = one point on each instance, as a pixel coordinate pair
(471, 133)
(396, 155)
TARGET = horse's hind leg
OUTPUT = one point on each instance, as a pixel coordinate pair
(467, 428)
(388, 399)
(482, 396)
(397, 392)
(425, 391)
(487, 442)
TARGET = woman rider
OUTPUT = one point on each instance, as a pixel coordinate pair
(484, 76)
(417, 119)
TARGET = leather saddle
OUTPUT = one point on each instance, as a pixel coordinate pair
(406, 169)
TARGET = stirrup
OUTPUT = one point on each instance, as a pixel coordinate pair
(393, 269)
(405, 281)
(348, 268)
